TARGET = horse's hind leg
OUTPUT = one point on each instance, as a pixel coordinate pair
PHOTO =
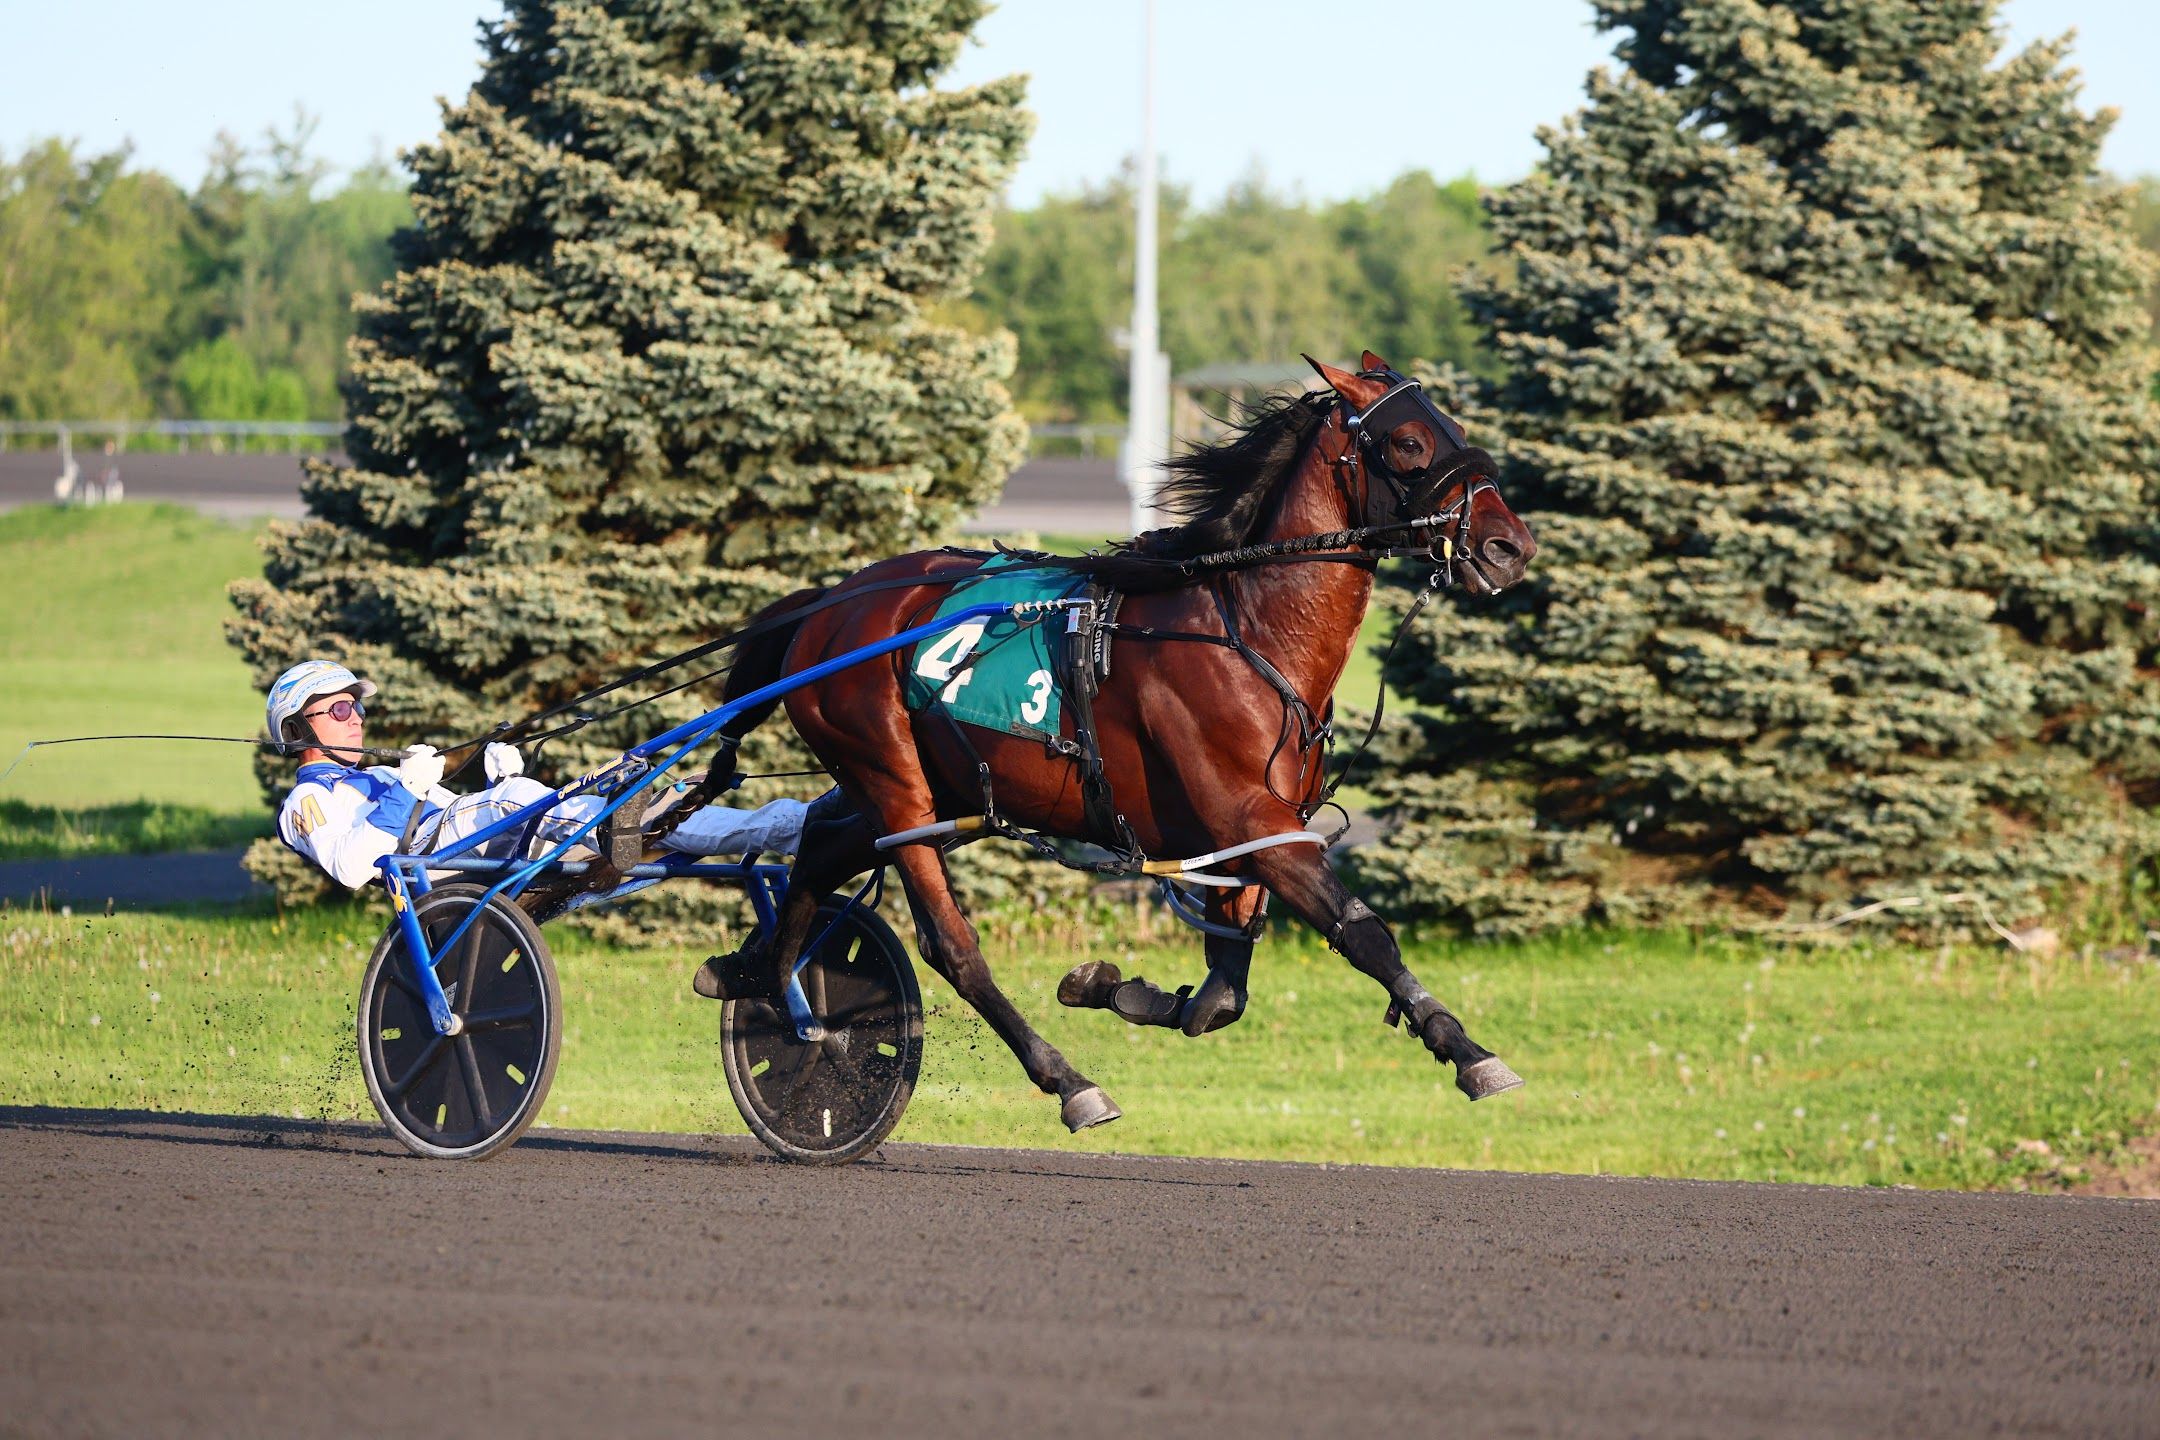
(949, 944)
(1301, 877)
(837, 844)
(1101, 985)
(1222, 996)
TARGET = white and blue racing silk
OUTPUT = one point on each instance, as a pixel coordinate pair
(345, 819)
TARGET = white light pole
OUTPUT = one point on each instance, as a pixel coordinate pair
(1147, 401)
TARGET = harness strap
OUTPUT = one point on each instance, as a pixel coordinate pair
(1098, 805)
(1310, 727)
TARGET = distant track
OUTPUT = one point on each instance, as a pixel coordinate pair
(211, 1275)
(1052, 496)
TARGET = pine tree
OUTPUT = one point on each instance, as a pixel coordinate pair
(663, 346)
(1826, 397)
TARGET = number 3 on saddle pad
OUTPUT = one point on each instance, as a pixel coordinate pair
(1000, 675)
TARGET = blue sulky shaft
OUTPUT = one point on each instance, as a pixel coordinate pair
(406, 875)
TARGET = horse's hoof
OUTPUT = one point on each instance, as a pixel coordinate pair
(1487, 1078)
(1087, 986)
(1084, 1108)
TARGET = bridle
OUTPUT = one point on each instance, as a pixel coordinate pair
(1393, 504)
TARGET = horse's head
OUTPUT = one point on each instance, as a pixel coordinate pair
(1412, 473)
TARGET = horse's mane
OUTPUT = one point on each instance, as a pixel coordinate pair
(1218, 492)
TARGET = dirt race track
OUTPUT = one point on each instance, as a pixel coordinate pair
(210, 1275)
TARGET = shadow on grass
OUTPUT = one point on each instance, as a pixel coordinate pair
(347, 1136)
(135, 827)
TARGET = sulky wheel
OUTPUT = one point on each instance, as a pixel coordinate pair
(825, 1102)
(464, 1096)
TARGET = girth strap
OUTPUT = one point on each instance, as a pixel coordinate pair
(1077, 653)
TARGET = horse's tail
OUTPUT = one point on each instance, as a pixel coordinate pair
(759, 662)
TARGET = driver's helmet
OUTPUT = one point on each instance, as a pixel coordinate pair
(307, 681)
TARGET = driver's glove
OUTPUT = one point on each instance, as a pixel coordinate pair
(501, 761)
(421, 770)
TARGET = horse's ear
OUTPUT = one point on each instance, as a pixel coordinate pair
(1356, 389)
(1369, 362)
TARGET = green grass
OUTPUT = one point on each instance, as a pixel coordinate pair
(1645, 1054)
(111, 620)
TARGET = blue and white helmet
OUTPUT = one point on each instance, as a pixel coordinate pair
(309, 680)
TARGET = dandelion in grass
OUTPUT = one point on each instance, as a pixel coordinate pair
(1868, 1144)
(1759, 1126)
(96, 1020)
(1799, 1112)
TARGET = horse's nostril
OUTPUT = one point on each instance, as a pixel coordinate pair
(1502, 552)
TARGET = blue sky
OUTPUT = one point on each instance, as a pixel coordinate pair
(1270, 90)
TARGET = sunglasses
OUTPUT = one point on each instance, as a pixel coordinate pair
(340, 711)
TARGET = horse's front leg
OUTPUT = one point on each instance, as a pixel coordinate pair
(1300, 876)
(1220, 1000)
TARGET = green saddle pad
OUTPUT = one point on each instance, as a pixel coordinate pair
(999, 673)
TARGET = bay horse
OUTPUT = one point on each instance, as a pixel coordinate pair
(1202, 745)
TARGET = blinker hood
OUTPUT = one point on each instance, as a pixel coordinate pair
(1404, 401)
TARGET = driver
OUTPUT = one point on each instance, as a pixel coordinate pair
(345, 818)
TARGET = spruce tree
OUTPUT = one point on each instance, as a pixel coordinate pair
(1826, 397)
(665, 343)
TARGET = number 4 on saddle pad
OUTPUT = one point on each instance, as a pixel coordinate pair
(1001, 675)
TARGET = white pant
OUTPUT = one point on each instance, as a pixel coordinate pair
(774, 828)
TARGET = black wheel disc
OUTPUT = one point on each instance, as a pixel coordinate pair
(828, 1101)
(468, 1095)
